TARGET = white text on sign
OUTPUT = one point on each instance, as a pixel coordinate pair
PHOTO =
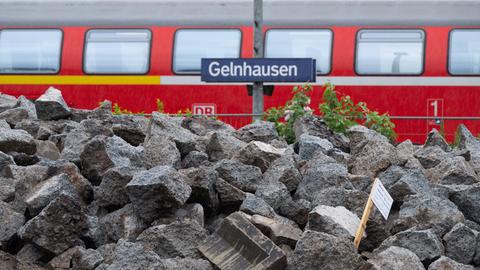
(382, 200)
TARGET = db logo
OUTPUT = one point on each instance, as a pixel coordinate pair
(204, 108)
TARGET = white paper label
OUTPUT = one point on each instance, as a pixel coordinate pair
(382, 200)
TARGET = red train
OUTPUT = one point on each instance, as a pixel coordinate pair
(407, 58)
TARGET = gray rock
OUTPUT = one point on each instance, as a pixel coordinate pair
(316, 250)
(4, 124)
(5, 162)
(460, 243)
(122, 223)
(353, 200)
(280, 233)
(435, 138)
(7, 102)
(8, 261)
(401, 182)
(318, 176)
(468, 201)
(258, 131)
(102, 153)
(202, 180)
(405, 151)
(188, 213)
(244, 177)
(64, 260)
(308, 145)
(315, 126)
(337, 221)
(51, 106)
(95, 235)
(254, 251)
(162, 151)
(371, 155)
(230, 197)
(394, 258)
(258, 154)
(274, 193)
(23, 102)
(284, 170)
(45, 192)
(194, 159)
(26, 178)
(201, 125)
(221, 145)
(133, 256)
(131, 128)
(17, 141)
(86, 259)
(184, 263)
(14, 116)
(112, 191)
(178, 239)
(254, 205)
(47, 149)
(296, 210)
(164, 126)
(424, 243)
(431, 156)
(445, 263)
(469, 142)
(23, 159)
(31, 254)
(81, 184)
(7, 189)
(108, 252)
(10, 222)
(58, 227)
(159, 189)
(424, 212)
(453, 171)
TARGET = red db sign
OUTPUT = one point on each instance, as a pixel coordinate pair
(204, 108)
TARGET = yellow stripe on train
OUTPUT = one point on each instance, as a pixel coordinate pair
(79, 80)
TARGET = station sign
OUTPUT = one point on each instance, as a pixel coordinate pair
(258, 70)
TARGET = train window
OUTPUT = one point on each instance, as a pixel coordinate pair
(464, 53)
(30, 50)
(390, 52)
(301, 43)
(117, 51)
(191, 45)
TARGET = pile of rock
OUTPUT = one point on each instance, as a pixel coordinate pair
(83, 189)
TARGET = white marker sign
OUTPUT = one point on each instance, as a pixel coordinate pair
(381, 198)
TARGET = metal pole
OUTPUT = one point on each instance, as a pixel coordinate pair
(257, 95)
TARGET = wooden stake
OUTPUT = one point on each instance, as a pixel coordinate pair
(365, 216)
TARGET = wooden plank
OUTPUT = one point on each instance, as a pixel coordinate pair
(365, 216)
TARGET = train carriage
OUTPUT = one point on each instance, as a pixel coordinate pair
(404, 57)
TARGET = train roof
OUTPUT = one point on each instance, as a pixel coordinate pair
(238, 12)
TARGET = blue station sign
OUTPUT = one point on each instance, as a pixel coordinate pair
(258, 70)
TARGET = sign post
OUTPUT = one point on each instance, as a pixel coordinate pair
(257, 93)
(382, 200)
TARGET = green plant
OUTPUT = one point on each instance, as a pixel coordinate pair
(184, 112)
(284, 116)
(160, 105)
(342, 113)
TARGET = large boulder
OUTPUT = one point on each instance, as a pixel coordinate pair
(58, 227)
(52, 106)
(258, 131)
(259, 154)
(102, 153)
(337, 221)
(394, 258)
(467, 200)
(424, 212)
(308, 145)
(371, 151)
(445, 263)
(424, 243)
(202, 180)
(15, 140)
(178, 239)
(122, 223)
(453, 171)
(159, 189)
(318, 175)
(45, 192)
(460, 243)
(222, 145)
(317, 250)
(10, 222)
(469, 142)
(284, 170)
(244, 177)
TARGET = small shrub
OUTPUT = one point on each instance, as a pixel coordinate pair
(160, 105)
(284, 116)
(342, 113)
